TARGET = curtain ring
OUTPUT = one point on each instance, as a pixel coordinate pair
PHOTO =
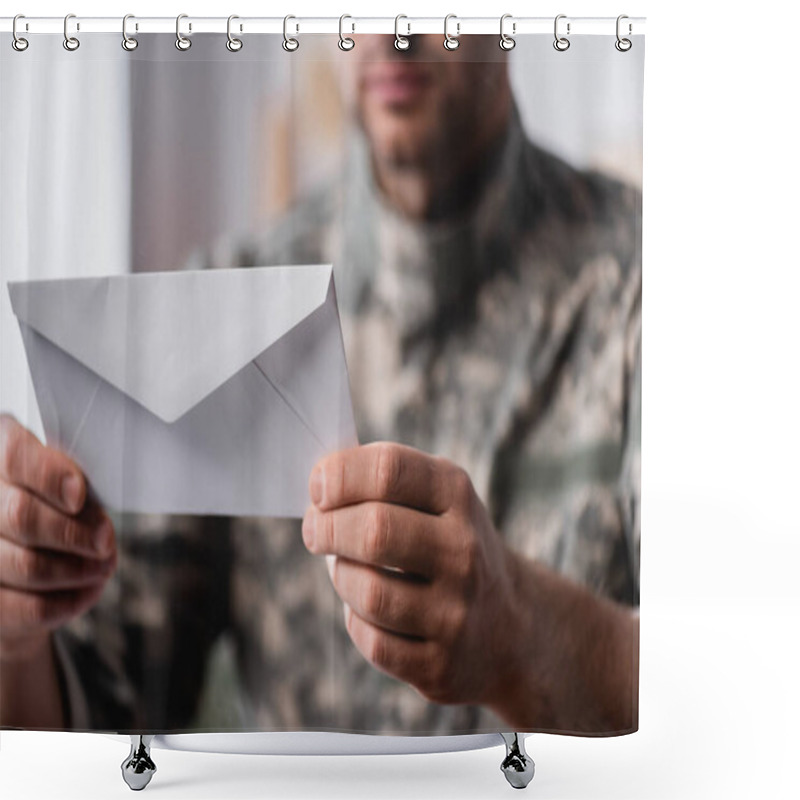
(233, 44)
(18, 43)
(401, 42)
(181, 42)
(623, 45)
(128, 42)
(71, 43)
(345, 42)
(290, 44)
(506, 42)
(561, 43)
(451, 42)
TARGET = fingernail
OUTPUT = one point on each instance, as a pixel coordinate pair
(104, 538)
(71, 492)
(317, 485)
(309, 528)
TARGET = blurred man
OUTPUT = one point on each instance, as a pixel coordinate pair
(481, 545)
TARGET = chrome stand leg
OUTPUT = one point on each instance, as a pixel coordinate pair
(517, 766)
(138, 768)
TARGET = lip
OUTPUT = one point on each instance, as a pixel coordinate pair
(397, 84)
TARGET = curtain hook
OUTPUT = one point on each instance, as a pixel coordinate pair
(506, 42)
(345, 42)
(71, 43)
(290, 44)
(128, 42)
(561, 43)
(623, 45)
(181, 42)
(18, 43)
(233, 44)
(401, 42)
(451, 42)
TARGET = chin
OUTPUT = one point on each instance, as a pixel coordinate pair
(400, 139)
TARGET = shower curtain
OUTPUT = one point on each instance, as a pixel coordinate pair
(321, 383)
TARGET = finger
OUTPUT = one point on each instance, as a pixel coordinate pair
(403, 658)
(23, 612)
(29, 521)
(384, 471)
(48, 570)
(377, 533)
(387, 600)
(43, 470)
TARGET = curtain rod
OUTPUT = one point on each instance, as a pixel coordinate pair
(513, 26)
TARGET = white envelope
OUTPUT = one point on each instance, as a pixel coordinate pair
(198, 392)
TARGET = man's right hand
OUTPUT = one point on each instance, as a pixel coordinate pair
(57, 549)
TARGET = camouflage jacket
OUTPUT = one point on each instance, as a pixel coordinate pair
(507, 339)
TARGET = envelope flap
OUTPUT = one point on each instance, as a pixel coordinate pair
(168, 339)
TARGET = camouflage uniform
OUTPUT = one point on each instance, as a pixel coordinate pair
(508, 340)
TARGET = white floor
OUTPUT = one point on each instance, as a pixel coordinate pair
(720, 703)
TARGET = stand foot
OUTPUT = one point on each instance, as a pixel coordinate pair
(138, 768)
(517, 766)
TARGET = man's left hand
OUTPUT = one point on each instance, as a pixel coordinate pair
(426, 579)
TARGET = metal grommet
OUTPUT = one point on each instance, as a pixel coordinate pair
(233, 44)
(401, 42)
(71, 43)
(506, 42)
(451, 42)
(18, 43)
(345, 42)
(561, 43)
(182, 42)
(290, 44)
(128, 42)
(623, 45)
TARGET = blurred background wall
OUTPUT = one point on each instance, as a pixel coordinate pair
(65, 180)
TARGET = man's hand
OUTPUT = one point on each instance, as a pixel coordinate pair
(426, 579)
(57, 549)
